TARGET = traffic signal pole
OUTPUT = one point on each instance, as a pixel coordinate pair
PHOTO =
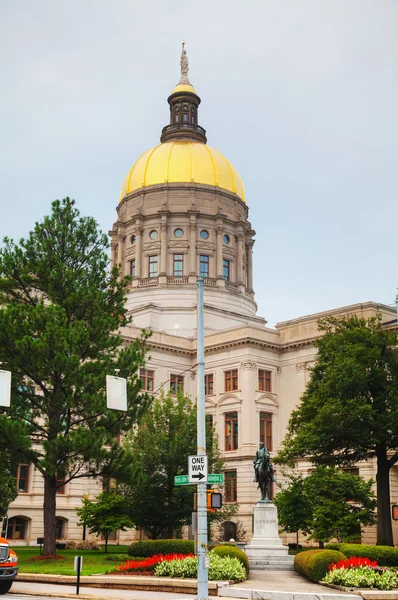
(203, 575)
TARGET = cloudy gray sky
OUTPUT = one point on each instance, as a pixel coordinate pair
(300, 95)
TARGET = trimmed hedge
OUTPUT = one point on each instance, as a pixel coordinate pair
(230, 550)
(146, 548)
(314, 563)
(386, 556)
(335, 546)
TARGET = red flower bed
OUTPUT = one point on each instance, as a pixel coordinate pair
(353, 563)
(46, 557)
(148, 564)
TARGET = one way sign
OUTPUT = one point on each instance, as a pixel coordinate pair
(197, 469)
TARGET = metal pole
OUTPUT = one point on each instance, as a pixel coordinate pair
(203, 576)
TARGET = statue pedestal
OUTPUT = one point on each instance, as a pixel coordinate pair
(266, 550)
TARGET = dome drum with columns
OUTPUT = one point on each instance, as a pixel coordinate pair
(182, 214)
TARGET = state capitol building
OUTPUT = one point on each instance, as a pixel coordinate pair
(183, 214)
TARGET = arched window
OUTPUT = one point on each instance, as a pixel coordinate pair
(17, 528)
(229, 531)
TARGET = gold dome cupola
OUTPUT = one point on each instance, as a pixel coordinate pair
(184, 103)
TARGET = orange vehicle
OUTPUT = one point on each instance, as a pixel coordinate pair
(8, 566)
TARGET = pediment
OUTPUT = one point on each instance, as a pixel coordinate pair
(152, 246)
(269, 399)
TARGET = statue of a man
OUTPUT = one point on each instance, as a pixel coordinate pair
(263, 470)
(184, 62)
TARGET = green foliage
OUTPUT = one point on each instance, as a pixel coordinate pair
(8, 484)
(386, 556)
(294, 508)
(60, 319)
(145, 548)
(119, 558)
(363, 577)
(220, 568)
(104, 516)
(314, 563)
(160, 446)
(349, 410)
(334, 547)
(231, 550)
(327, 504)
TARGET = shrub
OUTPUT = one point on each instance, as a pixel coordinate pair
(336, 546)
(314, 563)
(151, 547)
(230, 550)
(364, 577)
(221, 567)
(70, 545)
(386, 556)
(87, 545)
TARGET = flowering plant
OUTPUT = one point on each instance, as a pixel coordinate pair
(363, 577)
(354, 562)
(149, 564)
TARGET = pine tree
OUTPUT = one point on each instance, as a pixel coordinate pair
(61, 313)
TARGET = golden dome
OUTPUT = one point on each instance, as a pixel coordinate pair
(183, 161)
(184, 87)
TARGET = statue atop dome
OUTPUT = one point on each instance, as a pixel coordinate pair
(184, 65)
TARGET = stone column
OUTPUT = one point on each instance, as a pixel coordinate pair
(163, 250)
(138, 254)
(219, 256)
(120, 254)
(248, 428)
(240, 251)
(192, 249)
(250, 266)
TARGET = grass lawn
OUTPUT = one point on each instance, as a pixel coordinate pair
(94, 562)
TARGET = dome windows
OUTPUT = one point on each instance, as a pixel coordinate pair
(153, 234)
(178, 232)
(204, 234)
(226, 239)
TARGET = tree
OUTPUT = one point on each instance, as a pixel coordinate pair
(294, 508)
(160, 446)
(349, 410)
(8, 484)
(106, 515)
(327, 504)
(60, 319)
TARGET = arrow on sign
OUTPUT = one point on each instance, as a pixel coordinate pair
(198, 476)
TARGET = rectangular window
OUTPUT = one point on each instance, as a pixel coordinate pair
(209, 422)
(231, 488)
(176, 384)
(209, 384)
(132, 267)
(178, 261)
(153, 266)
(204, 265)
(59, 529)
(264, 380)
(60, 486)
(266, 429)
(147, 378)
(231, 380)
(231, 431)
(22, 476)
(226, 265)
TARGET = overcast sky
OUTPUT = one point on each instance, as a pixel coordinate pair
(300, 95)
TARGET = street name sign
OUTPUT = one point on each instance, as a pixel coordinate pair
(197, 469)
(215, 478)
(181, 480)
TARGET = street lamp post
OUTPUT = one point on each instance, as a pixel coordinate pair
(203, 591)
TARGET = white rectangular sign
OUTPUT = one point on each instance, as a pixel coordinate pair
(76, 565)
(5, 388)
(116, 392)
(197, 469)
